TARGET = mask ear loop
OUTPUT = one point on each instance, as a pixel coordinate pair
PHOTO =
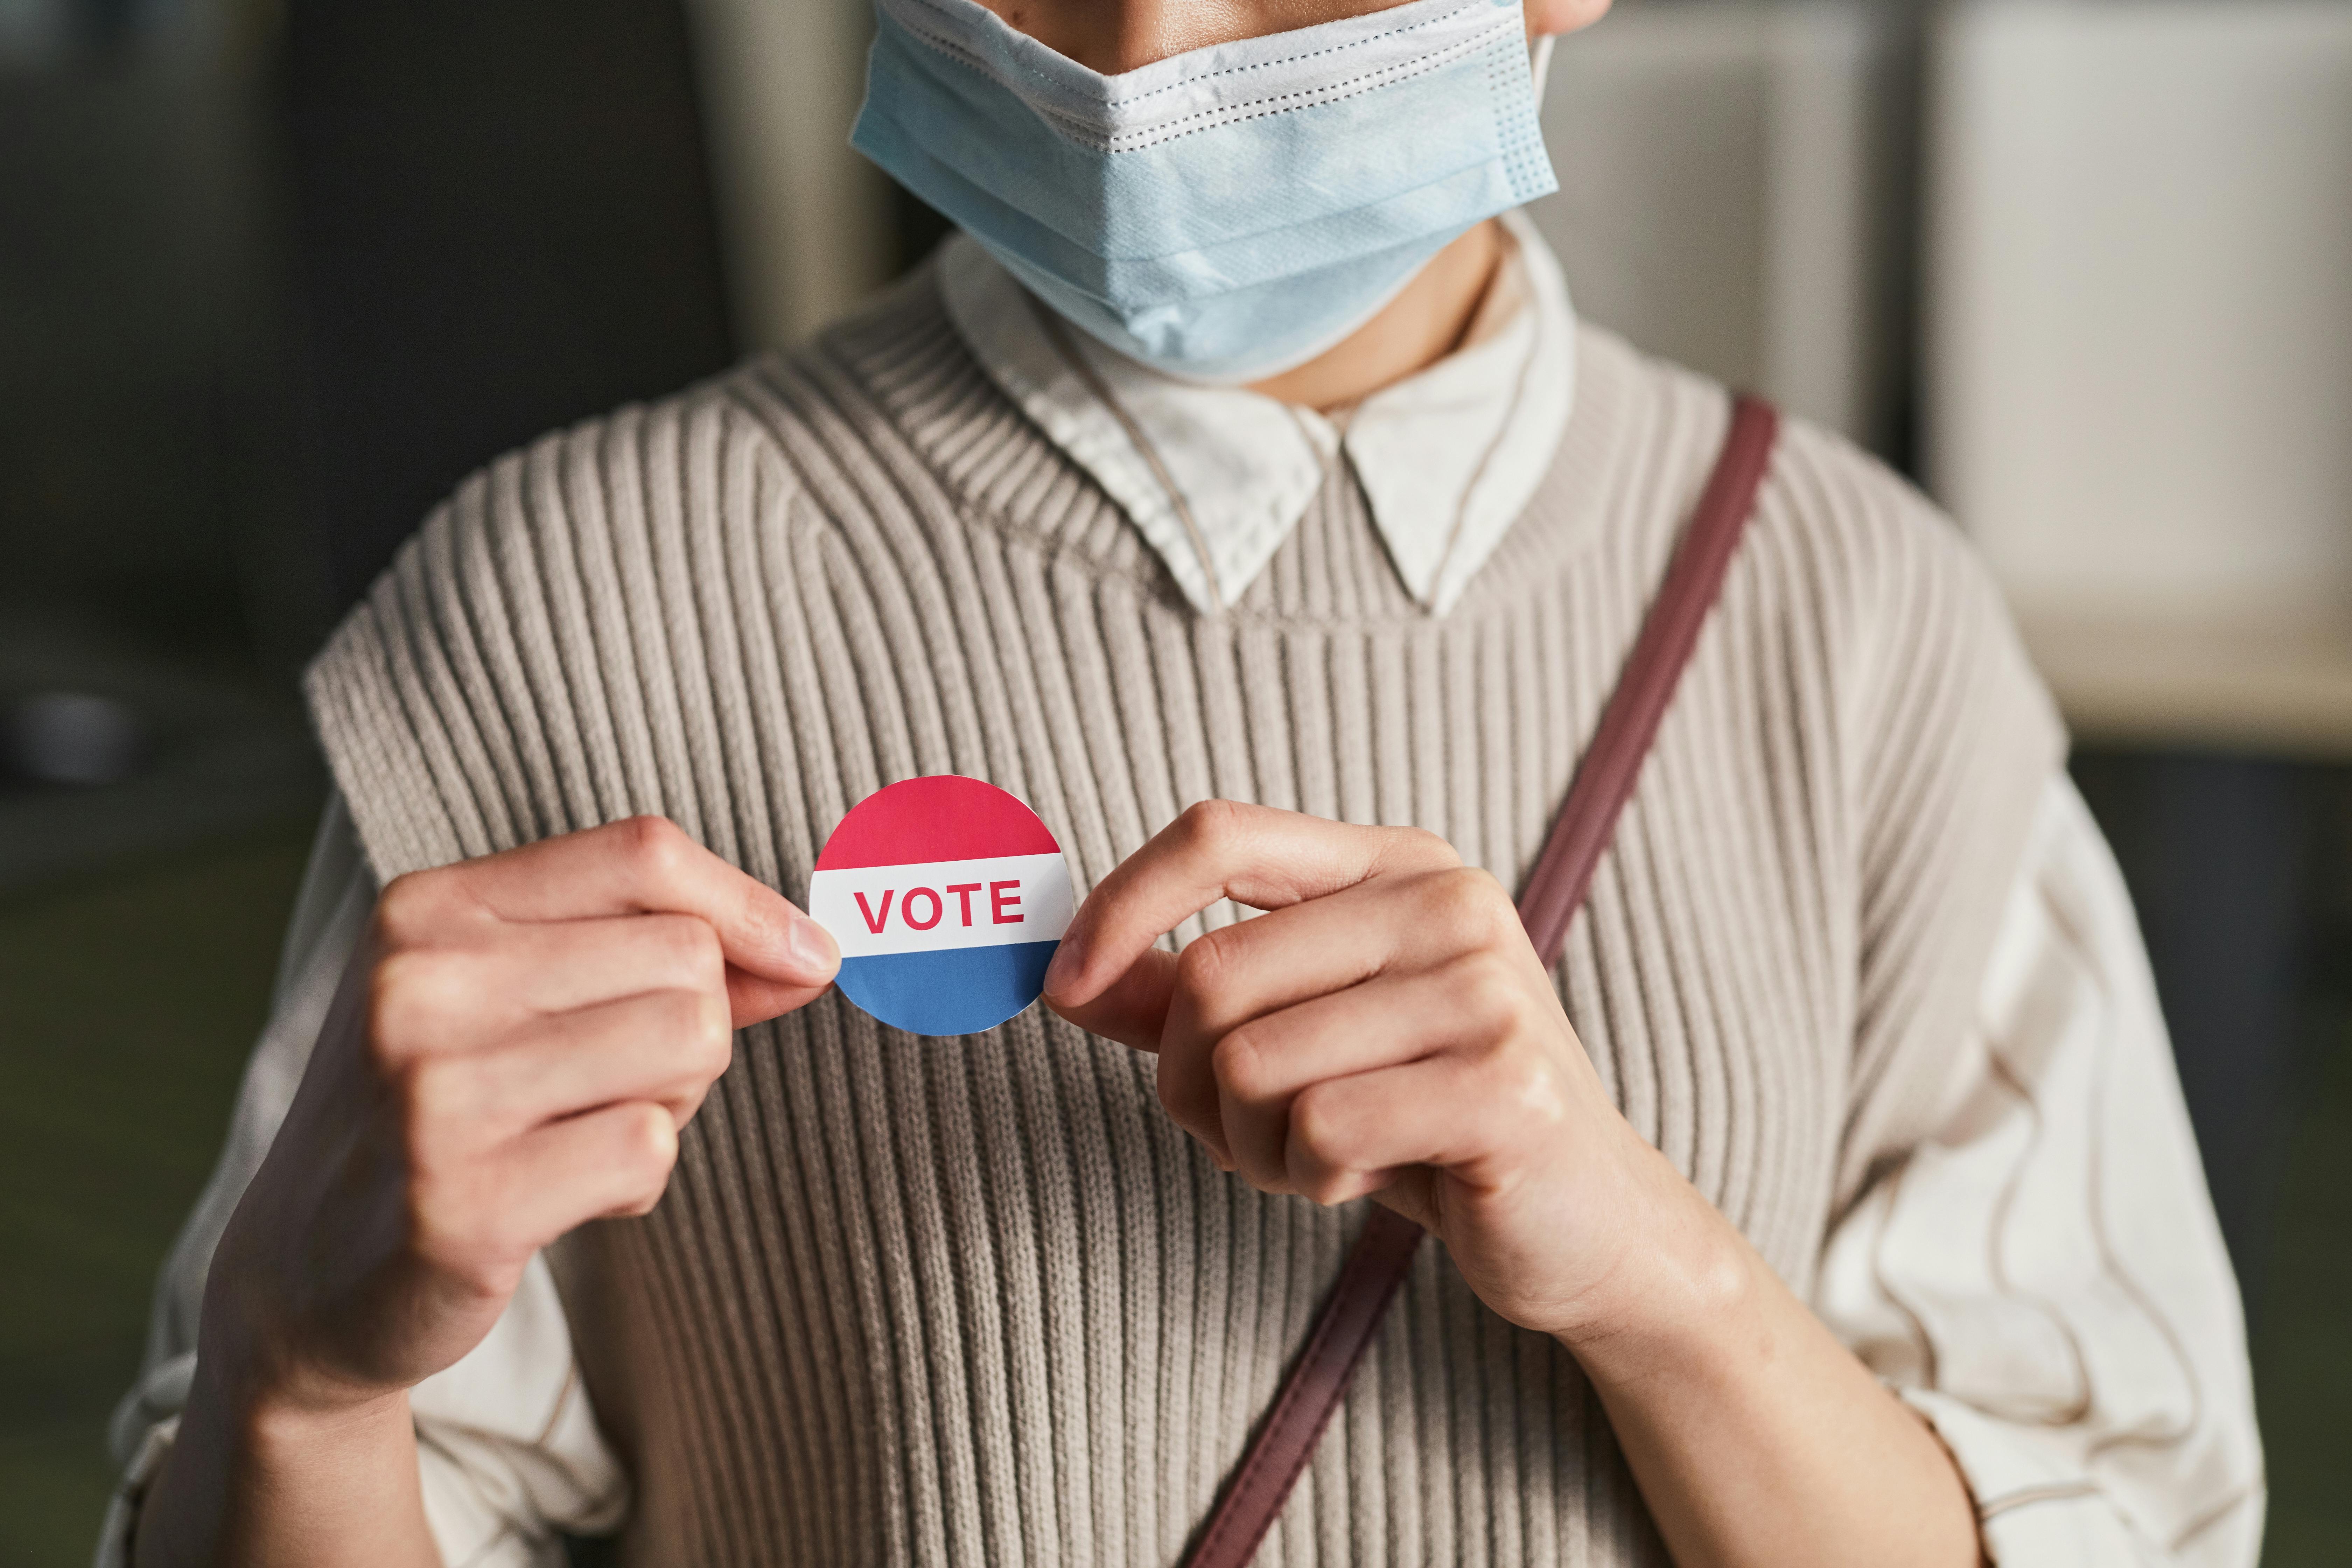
(1539, 65)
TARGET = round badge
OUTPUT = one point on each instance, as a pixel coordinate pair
(948, 896)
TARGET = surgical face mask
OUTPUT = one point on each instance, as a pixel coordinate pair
(1223, 214)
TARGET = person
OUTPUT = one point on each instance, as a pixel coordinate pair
(1238, 489)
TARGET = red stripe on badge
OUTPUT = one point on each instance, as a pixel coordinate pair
(943, 817)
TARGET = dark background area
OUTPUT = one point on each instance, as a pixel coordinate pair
(271, 280)
(502, 222)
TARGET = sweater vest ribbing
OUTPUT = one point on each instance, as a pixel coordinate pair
(976, 1300)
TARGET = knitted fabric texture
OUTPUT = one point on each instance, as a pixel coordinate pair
(976, 1300)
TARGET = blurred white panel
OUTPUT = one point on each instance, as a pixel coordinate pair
(807, 222)
(2140, 337)
(1722, 198)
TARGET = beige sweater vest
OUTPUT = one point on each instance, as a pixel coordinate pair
(975, 1300)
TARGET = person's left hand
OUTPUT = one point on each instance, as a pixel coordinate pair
(1385, 1029)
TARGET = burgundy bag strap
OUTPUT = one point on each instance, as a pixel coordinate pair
(1384, 1249)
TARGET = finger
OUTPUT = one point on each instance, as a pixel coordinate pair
(459, 998)
(754, 999)
(1255, 855)
(1472, 1116)
(1133, 1009)
(1260, 1069)
(665, 1046)
(643, 866)
(562, 965)
(1401, 923)
(616, 1161)
(608, 1161)
(1240, 972)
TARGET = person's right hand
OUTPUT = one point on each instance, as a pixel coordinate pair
(514, 1049)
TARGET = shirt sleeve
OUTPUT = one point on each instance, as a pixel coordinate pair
(507, 1443)
(2044, 1279)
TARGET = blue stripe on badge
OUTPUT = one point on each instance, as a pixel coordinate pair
(956, 991)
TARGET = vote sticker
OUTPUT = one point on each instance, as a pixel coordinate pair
(948, 896)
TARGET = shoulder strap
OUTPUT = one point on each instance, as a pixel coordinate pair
(1384, 1250)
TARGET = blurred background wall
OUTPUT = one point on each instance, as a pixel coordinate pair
(275, 274)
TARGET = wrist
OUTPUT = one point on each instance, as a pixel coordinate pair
(279, 1426)
(253, 1477)
(1680, 1287)
(283, 1433)
(260, 1395)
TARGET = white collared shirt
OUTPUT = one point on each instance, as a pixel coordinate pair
(2065, 1159)
(1215, 477)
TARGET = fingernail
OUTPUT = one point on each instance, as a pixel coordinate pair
(1070, 960)
(812, 947)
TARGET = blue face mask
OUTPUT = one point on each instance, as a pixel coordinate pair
(1223, 214)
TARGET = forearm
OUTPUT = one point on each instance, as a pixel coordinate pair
(264, 1488)
(1756, 1438)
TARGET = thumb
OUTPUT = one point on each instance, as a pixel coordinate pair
(778, 959)
(792, 967)
(1131, 1009)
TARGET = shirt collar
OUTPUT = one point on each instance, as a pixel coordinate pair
(1216, 478)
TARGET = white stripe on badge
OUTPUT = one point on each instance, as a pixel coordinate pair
(942, 904)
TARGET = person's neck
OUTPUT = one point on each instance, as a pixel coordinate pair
(1416, 329)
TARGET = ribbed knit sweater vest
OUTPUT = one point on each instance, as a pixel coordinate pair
(975, 1301)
